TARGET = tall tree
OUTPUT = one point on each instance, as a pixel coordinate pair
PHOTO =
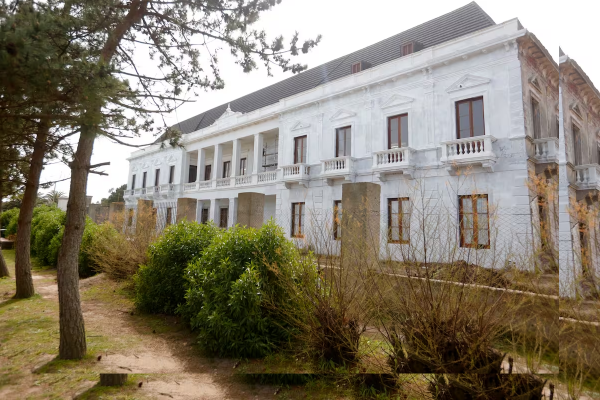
(114, 195)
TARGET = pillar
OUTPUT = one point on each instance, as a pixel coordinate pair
(213, 213)
(186, 209)
(231, 218)
(251, 209)
(218, 163)
(201, 165)
(235, 160)
(199, 206)
(258, 146)
(360, 241)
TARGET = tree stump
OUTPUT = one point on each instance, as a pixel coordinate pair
(113, 379)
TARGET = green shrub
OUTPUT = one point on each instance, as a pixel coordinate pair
(160, 284)
(10, 221)
(235, 298)
(47, 226)
(92, 233)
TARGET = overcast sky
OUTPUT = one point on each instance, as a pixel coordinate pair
(347, 26)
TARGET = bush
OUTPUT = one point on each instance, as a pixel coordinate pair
(160, 284)
(235, 296)
(47, 226)
(10, 220)
(91, 234)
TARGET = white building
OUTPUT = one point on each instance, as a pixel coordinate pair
(458, 105)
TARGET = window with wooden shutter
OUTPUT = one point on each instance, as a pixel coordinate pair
(298, 220)
(343, 142)
(300, 144)
(474, 221)
(398, 131)
(399, 220)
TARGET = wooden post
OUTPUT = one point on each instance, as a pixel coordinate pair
(113, 379)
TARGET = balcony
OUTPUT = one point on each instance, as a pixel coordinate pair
(205, 184)
(297, 173)
(468, 152)
(587, 176)
(336, 168)
(393, 161)
(190, 187)
(546, 150)
(223, 182)
(265, 177)
(243, 180)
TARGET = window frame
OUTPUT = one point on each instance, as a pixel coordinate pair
(356, 67)
(389, 129)
(301, 206)
(536, 133)
(226, 169)
(223, 211)
(243, 166)
(577, 138)
(469, 100)
(407, 48)
(144, 175)
(207, 168)
(475, 238)
(133, 182)
(304, 139)
(347, 132)
(195, 175)
(157, 177)
(171, 173)
(337, 219)
(204, 215)
(401, 212)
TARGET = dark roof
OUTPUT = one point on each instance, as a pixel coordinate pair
(460, 22)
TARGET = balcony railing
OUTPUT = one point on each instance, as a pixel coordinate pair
(297, 173)
(475, 150)
(223, 182)
(243, 180)
(398, 160)
(339, 167)
(205, 184)
(269, 176)
(546, 149)
(587, 176)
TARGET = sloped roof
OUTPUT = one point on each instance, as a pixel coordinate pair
(460, 22)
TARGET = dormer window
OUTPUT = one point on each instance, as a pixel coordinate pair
(407, 48)
(360, 66)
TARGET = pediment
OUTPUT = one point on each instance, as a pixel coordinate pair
(575, 108)
(158, 161)
(145, 165)
(135, 167)
(172, 159)
(396, 100)
(467, 81)
(341, 114)
(227, 115)
(533, 81)
(299, 125)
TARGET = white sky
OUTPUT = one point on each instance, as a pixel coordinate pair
(347, 26)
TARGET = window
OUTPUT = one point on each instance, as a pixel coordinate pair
(584, 242)
(399, 220)
(557, 127)
(298, 220)
(536, 119)
(474, 221)
(469, 118)
(207, 172)
(192, 173)
(356, 67)
(544, 223)
(337, 219)
(133, 182)
(300, 150)
(398, 131)
(223, 217)
(144, 180)
(171, 173)
(169, 216)
(578, 149)
(157, 177)
(204, 216)
(343, 141)
(243, 166)
(407, 49)
(226, 169)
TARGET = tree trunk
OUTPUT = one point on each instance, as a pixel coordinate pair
(113, 379)
(72, 330)
(3, 266)
(23, 242)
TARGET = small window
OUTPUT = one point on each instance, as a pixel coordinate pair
(298, 220)
(226, 169)
(356, 67)
(536, 119)
(133, 182)
(407, 49)
(243, 166)
(469, 118)
(169, 218)
(144, 180)
(343, 142)
(399, 220)
(157, 177)
(171, 174)
(577, 144)
(223, 217)
(207, 172)
(474, 221)
(192, 173)
(398, 131)
(337, 219)
(204, 216)
(300, 144)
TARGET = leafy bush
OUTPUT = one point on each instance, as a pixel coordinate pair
(47, 223)
(235, 297)
(10, 220)
(91, 234)
(160, 284)
(7, 215)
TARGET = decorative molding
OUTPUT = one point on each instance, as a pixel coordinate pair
(341, 114)
(576, 110)
(396, 100)
(172, 159)
(227, 114)
(533, 81)
(467, 81)
(299, 125)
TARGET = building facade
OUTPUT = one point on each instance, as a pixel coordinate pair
(460, 111)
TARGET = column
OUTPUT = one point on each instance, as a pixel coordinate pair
(258, 147)
(201, 165)
(218, 163)
(199, 206)
(235, 160)
(231, 218)
(213, 213)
